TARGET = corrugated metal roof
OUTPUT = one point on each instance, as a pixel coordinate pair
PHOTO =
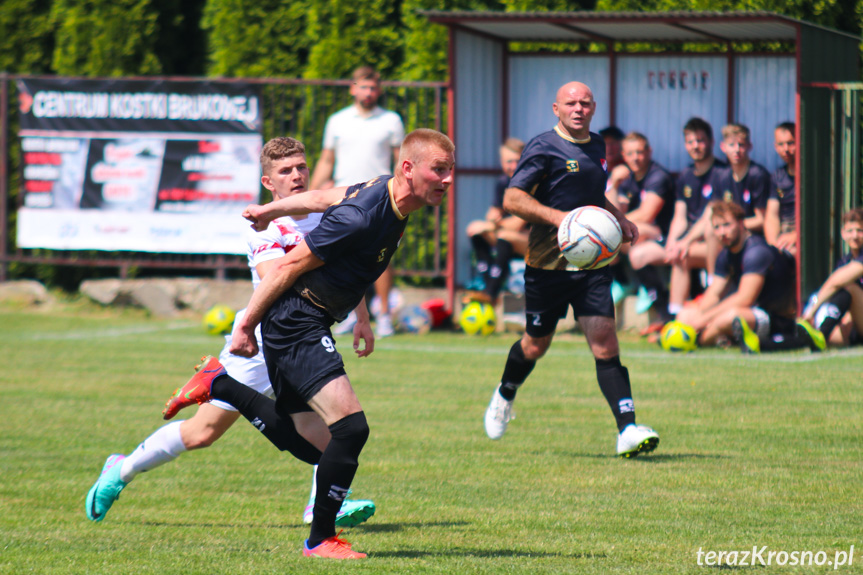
(627, 26)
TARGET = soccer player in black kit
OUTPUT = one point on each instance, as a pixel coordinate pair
(314, 285)
(560, 170)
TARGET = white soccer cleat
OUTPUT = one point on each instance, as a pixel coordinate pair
(636, 439)
(384, 326)
(498, 415)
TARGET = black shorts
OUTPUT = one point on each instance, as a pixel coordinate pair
(548, 293)
(299, 350)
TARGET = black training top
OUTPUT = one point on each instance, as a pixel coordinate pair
(778, 293)
(782, 189)
(698, 191)
(356, 239)
(750, 193)
(657, 181)
(563, 174)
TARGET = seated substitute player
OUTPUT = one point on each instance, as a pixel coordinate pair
(310, 288)
(285, 174)
(837, 309)
(645, 192)
(505, 233)
(560, 170)
(612, 136)
(744, 182)
(691, 244)
(753, 286)
(780, 217)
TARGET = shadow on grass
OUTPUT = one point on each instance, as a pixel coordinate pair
(484, 554)
(654, 458)
(370, 527)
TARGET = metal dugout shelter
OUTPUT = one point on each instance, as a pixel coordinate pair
(496, 91)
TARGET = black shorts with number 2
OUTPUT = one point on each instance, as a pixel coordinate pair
(548, 293)
(299, 350)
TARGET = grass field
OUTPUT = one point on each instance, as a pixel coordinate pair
(755, 451)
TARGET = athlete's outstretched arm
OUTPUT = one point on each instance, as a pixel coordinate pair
(519, 203)
(281, 276)
(296, 205)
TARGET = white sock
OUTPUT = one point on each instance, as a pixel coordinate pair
(164, 445)
(674, 308)
(314, 485)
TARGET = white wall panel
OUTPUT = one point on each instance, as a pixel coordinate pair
(656, 95)
(533, 85)
(478, 100)
(765, 97)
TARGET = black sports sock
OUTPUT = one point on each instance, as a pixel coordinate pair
(656, 289)
(482, 251)
(515, 371)
(336, 471)
(614, 382)
(261, 412)
(499, 268)
(798, 339)
(830, 313)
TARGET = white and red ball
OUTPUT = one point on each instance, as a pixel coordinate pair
(589, 237)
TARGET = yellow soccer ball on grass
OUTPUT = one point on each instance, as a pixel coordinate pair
(678, 337)
(477, 318)
(219, 320)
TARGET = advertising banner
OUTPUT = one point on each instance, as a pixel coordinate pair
(165, 166)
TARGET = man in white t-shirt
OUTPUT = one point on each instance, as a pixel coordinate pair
(362, 142)
(285, 173)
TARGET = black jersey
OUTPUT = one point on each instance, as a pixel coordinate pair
(657, 181)
(757, 256)
(750, 192)
(563, 174)
(782, 189)
(698, 191)
(847, 259)
(356, 239)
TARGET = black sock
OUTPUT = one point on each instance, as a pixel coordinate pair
(614, 382)
(482, 251)
(515, 371)
(261, 412)
(830, 313)
(656, 289)
(499, 268)
(797, 339)
(336, 471)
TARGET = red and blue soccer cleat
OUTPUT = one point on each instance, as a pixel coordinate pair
(197, 390)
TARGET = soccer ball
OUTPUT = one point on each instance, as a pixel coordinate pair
(589, 237)
(477, 319)
(219, 320)
(676, 336)
(413, 319)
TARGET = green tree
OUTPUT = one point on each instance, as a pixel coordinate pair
(26, 36)
(350, 34)
(257, 39)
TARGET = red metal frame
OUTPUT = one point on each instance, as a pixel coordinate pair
(798, 267)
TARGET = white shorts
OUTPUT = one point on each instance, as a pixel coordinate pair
(762, 323)
(250, 371)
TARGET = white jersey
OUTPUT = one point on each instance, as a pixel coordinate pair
(280, 237)
(362, 144)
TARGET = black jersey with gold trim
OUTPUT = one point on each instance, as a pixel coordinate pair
(564, 174)
(356, 239)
